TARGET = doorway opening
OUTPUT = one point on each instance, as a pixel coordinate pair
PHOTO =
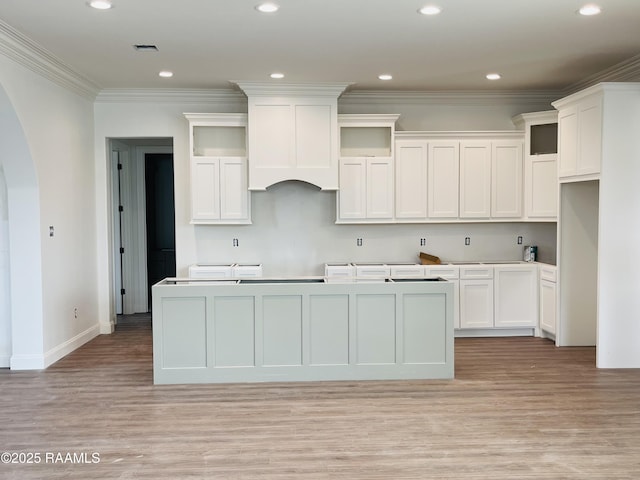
(143, 206)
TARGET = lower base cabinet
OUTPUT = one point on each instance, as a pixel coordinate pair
(476, 296)
(548, 301)
(516, 299)
(476, 303)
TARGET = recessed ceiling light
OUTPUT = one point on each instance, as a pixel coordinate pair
(385, 76)
(166, 74)
(430, 10)
(277, 75)
(493, 76)
(101, 4)
(589, 10)
(267, 7)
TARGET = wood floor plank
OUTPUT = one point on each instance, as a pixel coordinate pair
(519, 408)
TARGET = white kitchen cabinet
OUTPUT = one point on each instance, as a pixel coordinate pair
(580, 137)
(548, 301)
(476, 297)
(366, 168)
(366, 188)
(219, 190)
(475, 179)
(506, 179)
(516, 295)
(443, 179)
(411, 179)
(219, 193)
(540, 164)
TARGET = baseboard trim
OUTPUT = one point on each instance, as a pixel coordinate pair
(70, 345)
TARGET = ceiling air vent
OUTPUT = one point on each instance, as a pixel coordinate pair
(145, 48)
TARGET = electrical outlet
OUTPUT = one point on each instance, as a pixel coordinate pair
(520, 240)
(423, 242)
(359, 242)
(51, 230)
(235, 242)
(75, 312)
(467, 240)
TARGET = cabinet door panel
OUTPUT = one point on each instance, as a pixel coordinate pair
(589, 137)
(567, 142)
(548, 306)
(443, 179)
(352, 195)
(379, 188)
(475, 179)
(411, 179)
(233, 188)
(515, 296)
(542, 187)
(205, 195)
(506, 176)
(476, 303)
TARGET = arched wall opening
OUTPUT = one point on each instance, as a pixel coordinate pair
(22, 228)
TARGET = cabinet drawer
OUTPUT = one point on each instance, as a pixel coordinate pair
(406, 270)
(480, 272)
(548, 272)
(448, 273)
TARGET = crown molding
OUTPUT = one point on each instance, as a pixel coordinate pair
(261, 89)
(171, 95)
(450, 97)
(625, 71)
(27, 53)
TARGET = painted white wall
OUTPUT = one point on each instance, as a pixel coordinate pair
(618, 337)
(5, 288)
(294, 233)
(51, 276)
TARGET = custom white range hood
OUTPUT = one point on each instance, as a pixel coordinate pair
(293, 133)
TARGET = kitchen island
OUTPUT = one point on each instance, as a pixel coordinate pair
(301, 329)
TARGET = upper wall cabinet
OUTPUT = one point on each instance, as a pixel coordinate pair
(293, 133)
(454, 176)
(366, 168)
(540, 164)
(580, 136)
(218, 161)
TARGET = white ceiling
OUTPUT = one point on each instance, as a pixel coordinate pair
(534, 44)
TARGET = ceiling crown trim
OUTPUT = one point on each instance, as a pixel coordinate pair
(625, 71)
(452, 97)
(27, 53)
(172, 96)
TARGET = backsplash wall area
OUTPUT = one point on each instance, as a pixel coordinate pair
(294, 233)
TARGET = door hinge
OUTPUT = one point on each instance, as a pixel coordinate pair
(120, 208)
(122, 292)
(119, 166)
(121, 250)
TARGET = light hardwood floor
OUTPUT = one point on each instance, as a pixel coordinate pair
(519, 408)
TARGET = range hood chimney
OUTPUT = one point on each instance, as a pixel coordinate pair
(293, 133)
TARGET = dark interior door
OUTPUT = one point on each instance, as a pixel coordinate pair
(161, 233)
